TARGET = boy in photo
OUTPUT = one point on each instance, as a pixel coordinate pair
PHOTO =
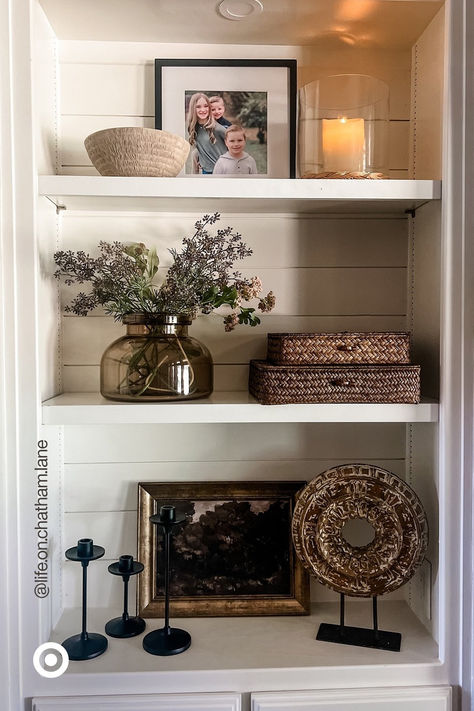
(218, 110)
(236, 160)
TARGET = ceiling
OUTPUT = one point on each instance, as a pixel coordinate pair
(392, 24)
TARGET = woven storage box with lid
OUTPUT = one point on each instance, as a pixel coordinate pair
(341, 348)
(285, 384)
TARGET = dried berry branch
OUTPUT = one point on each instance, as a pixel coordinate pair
(201, 278)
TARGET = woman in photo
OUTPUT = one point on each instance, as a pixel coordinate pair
(204, 133)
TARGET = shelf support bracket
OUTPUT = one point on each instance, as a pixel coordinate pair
(56, 205)
(412, 210)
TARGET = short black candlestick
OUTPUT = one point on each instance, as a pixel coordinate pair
(125, 626)
(167, 640)
(85, 645)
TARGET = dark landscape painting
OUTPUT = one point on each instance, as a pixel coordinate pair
(229, 548)
(231, 555)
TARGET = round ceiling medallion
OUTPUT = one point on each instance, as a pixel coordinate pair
(239, 9)
(387, 503)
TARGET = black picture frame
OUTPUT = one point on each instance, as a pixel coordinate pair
(290, 91)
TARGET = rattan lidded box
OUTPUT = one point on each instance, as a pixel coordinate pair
(342, 367)
(338, 348)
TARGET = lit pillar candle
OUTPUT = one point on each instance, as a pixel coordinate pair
(343, 144)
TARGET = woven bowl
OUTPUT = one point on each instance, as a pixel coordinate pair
(137, 151)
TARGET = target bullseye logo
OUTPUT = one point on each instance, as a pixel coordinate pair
(50, 660)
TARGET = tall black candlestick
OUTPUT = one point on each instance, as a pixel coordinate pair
(85, 645)
(167, 640)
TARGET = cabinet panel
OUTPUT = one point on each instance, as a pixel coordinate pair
(159, 702)
(415, 699)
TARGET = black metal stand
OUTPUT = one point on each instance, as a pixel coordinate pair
(360, 636)
(85, 645)
(167, 640)
(125, 626)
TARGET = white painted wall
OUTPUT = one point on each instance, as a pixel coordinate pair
(427, 101)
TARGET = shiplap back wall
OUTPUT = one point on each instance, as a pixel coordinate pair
(324, 275)
(328, 273)
(107, 84)
(104, 464)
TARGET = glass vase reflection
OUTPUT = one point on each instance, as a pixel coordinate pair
(156, 360)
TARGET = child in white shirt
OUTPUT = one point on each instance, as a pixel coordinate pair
(236, 161)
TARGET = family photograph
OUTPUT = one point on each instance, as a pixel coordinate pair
(227, 132)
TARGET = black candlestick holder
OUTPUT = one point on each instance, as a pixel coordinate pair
(85, 645)
(167, 640)
(125, 626)
(359, 636)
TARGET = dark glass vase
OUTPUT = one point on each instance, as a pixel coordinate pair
(156, 360)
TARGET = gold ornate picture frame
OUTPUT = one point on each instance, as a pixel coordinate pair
(234, 555)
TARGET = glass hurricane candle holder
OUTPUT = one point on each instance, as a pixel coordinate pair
(343, 127)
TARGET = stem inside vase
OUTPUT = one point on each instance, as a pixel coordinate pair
(156, 360)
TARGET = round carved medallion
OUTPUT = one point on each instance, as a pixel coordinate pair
(375, 495)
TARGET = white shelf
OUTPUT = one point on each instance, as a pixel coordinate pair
(242, 653)
(93, 409)
(220, 194)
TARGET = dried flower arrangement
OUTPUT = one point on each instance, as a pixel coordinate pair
(200, 279)
(151, 361)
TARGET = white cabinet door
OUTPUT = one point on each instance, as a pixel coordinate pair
(437, 698)
(152, 702)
